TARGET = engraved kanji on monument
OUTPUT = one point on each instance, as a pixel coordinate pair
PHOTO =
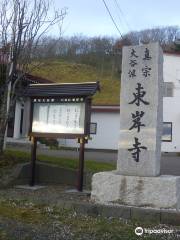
(141, 101)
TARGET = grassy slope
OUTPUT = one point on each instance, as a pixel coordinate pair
(60, 71)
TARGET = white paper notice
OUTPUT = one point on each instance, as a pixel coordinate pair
(59, 118)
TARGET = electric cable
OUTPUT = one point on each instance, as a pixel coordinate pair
(108, 10)
(122, 14)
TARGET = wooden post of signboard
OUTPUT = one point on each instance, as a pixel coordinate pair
(33, 160)
(81, 165)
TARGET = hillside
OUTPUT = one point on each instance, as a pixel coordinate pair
(65, 72)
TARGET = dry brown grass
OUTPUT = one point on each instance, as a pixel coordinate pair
(63, 72)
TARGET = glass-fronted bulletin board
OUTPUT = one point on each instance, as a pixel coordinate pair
(61, 111)
(59, 117)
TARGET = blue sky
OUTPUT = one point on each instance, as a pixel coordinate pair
(90, 18)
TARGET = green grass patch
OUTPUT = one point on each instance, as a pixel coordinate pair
(12, 157)
(21, 213)
(91, 166)
(3, 235)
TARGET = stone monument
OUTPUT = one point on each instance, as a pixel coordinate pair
(137, 180)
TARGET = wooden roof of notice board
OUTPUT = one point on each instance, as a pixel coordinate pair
(62, 90)
(32, 79)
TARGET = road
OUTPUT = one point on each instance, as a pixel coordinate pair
(170, 162)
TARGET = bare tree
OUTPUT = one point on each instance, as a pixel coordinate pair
(164, 35)
(22, 25)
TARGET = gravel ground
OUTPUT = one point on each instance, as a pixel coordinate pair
(12, 229)
(47, 195)
(36, 215)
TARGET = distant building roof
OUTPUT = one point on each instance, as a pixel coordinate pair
(62, 90)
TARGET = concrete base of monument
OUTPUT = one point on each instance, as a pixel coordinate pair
(162, 192)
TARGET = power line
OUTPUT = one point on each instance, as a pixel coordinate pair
(112, 18)
(121, 22)
(122, 14)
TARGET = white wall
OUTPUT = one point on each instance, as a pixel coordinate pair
(171, 113)
(26, 117)
(17, 120)
(171, 105)
(107, 135)
(107, 132)
(171, 71)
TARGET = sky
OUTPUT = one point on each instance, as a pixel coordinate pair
(90, 17)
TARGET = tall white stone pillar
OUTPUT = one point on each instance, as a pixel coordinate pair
(137, 180)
